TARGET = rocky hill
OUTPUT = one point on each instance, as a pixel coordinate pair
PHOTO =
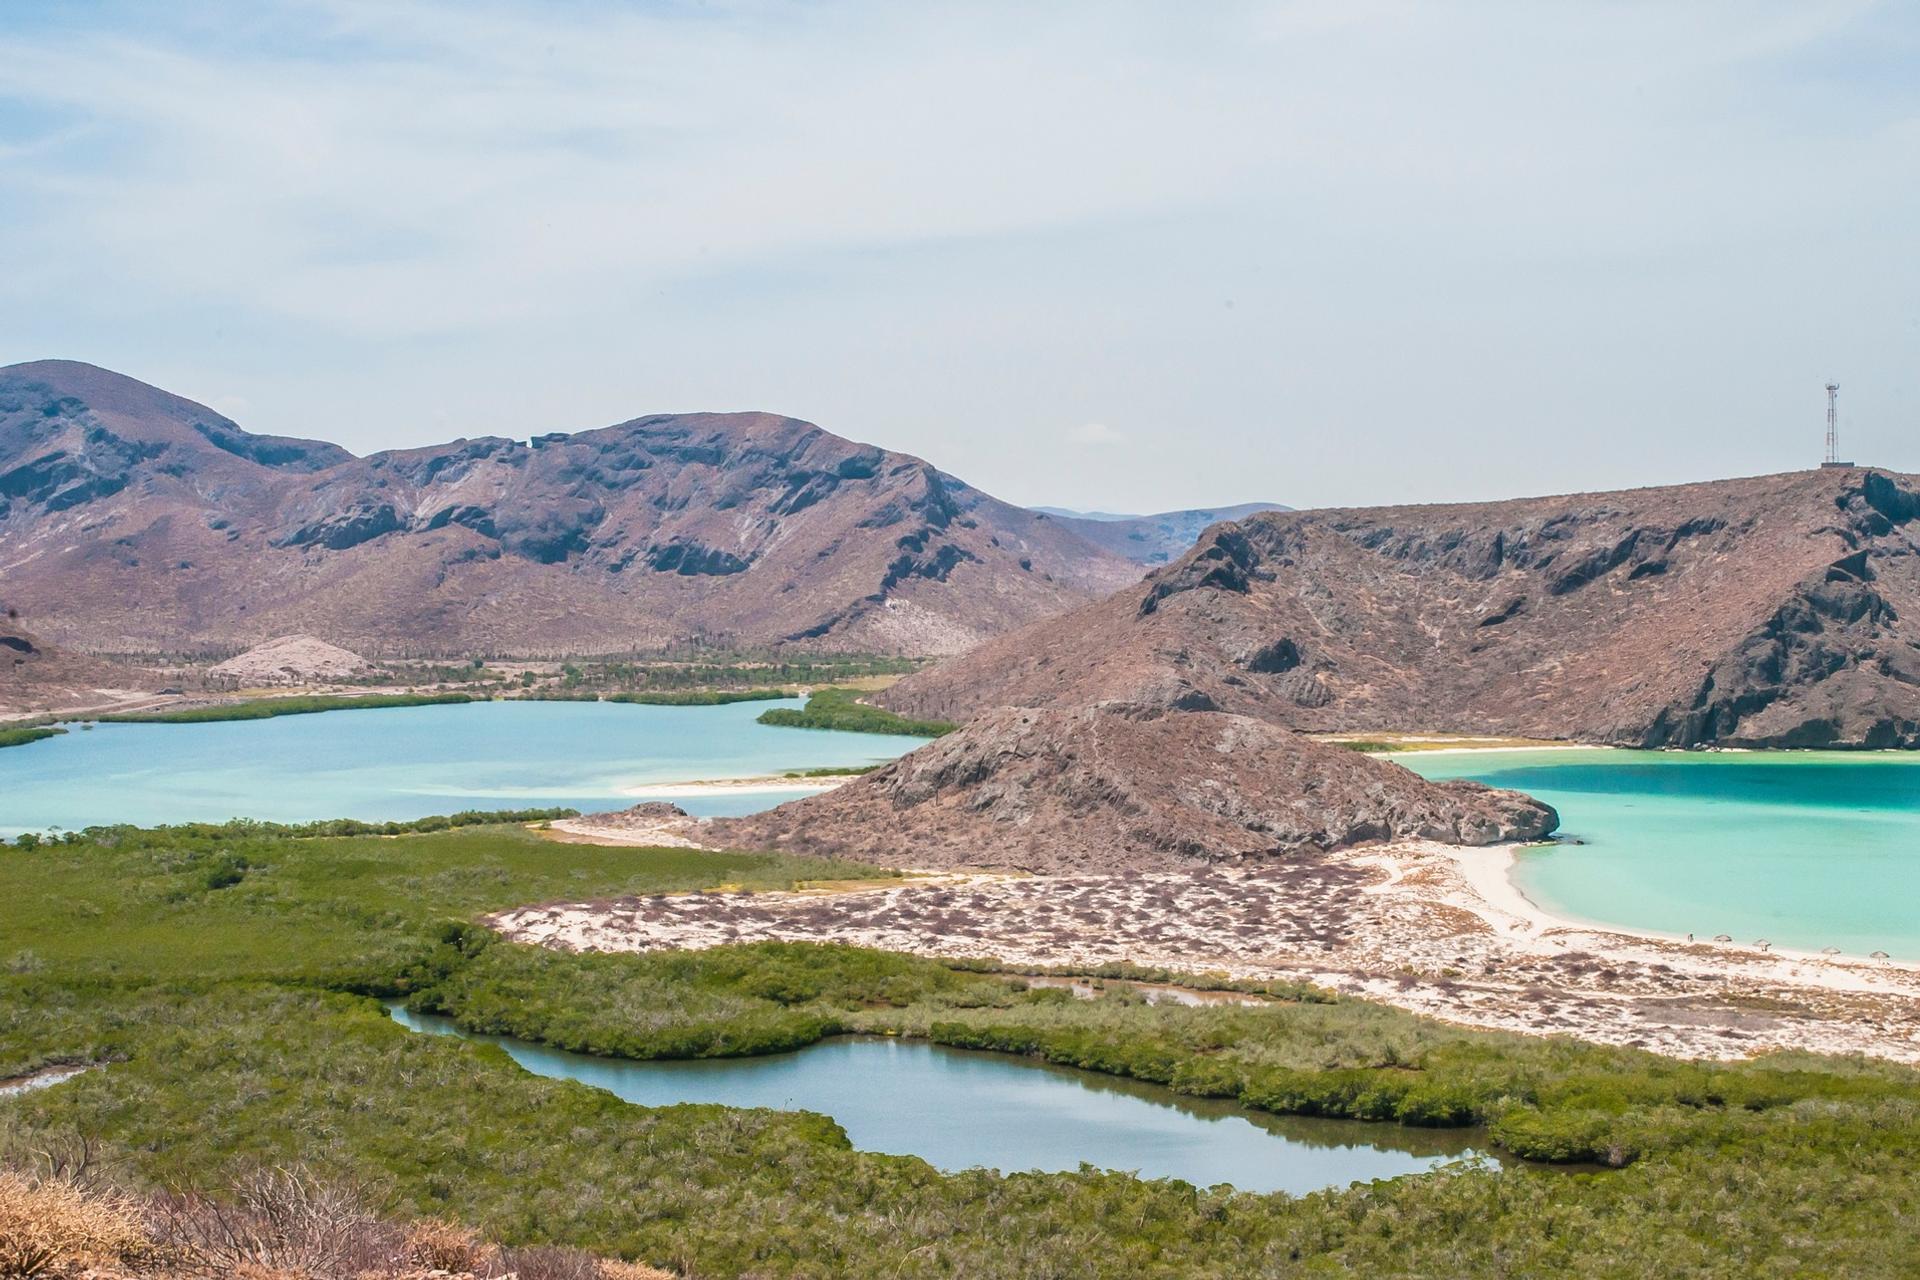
(292, 660)
(1109, 787)
(1773, 611)
(133, 519)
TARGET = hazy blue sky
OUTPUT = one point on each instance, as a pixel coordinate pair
(1110, 254)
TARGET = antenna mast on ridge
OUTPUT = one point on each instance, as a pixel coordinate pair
(1833, 425)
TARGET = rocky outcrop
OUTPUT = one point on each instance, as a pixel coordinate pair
(1115, 787)
(1772, 611)
(133, 519)
(292, 660)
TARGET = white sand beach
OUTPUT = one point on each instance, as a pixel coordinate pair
(1432, 928)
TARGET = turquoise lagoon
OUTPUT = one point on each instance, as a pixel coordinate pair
(1805, 849)
(409, 762)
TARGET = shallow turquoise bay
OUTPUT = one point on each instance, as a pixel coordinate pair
(1804, 849)
(410, 762)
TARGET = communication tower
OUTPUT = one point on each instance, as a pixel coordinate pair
(1833, 427)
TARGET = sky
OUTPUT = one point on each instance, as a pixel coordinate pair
(1111, 254)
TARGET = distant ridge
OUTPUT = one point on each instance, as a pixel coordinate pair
(1779, 611)
(134, 519)
(1154, 539)
(1238, 512)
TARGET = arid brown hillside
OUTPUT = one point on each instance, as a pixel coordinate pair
(1779, 610)
(35, 676)
(1113, 788)
(133, 519)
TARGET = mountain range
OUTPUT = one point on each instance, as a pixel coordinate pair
(1155, 539)
(132, 519)
(1779, 611)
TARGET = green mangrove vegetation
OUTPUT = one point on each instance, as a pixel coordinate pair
(708, 670)
(227, 977)
(660, 698)
(842, 709)
(21, 735)
(700, 697)
(267, 708)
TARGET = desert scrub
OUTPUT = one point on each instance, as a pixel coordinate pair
(842, 709)
(238, 1032)
(52, 1227)
(267, 708)
(268, 1222)
(213, 1081)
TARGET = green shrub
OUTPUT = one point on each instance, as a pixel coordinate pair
(842, 709)
(267, 708)
(20, 736)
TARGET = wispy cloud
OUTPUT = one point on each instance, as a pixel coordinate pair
(1246, 229)
(1094, 433)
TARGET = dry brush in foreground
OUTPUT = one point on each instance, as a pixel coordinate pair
(273, 1224)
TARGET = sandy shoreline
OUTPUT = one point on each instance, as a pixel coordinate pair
(1431, 928)
(1490, 872)
(734, 786)
(1492, 750)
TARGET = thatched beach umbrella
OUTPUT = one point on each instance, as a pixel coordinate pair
(1829, 951)
(1881, 955)
(1761, 943)
(1723, 937)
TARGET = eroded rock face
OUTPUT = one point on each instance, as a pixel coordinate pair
(130, 518)
(1772, 611)
(1115, 786)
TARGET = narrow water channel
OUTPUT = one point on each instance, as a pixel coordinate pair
(960, 1109)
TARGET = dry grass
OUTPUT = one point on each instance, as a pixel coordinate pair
(56, 1228)
(276, 1224)
(439, 1245)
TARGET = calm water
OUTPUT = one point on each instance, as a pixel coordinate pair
(409, 762)
(957, 1109)
(1806, 849)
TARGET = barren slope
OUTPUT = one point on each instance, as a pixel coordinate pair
(1778, 610)
(1115, 788)
(130, 518)
(34, 676)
